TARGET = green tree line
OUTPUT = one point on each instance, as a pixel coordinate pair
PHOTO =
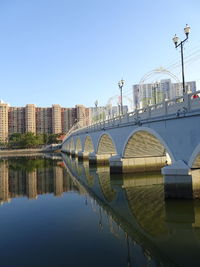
(31, 140)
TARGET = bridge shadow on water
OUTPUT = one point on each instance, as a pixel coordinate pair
(164, 232)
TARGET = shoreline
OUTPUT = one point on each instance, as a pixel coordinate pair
(24, 152)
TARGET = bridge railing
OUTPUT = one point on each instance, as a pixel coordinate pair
(179, 105)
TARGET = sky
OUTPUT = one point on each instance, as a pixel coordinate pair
(72, 52)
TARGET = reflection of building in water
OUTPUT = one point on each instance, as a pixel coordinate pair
(31, 184)
(58, 180)
(45, 181)
(4, 192)
(16, 181)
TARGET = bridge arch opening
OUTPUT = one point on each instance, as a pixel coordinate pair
(88, 146)
(78, 145)
(144, 143)
(194, 161)
(145, 150)
(106, 145)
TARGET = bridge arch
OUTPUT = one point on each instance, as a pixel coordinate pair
(78, 145)
(106, 145)
(88, 145)
(194, 161)
(145, 142)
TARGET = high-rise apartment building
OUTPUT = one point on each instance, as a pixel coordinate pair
(3, 121)
(152, 93)
(30, 122)
(16, 120)
(82, 115)
(43, 120)
(39, 120)
(56, 119)
(68, 118)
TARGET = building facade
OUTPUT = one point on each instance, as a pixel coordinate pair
(38, 120)
(3, 121)
(153, 93)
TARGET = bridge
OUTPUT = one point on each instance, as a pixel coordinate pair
(137, 205)
(165, 135)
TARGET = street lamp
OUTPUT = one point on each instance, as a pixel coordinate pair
(154, 94)
(178, 43)
(121, 84)
(96, 106)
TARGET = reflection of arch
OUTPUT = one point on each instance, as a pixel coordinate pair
(146, 211)
(108, 192)
(145, 142)
(106, 145)
(89, 177)
(67, 145)
(78, 145)
(194, 161)
(72, 147)
(88, 147)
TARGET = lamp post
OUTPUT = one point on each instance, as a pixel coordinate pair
(121, 84)
(154, 93)
(96, 106)
(178, 43)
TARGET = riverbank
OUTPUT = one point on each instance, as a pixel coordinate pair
(20, 152)
(15, 153)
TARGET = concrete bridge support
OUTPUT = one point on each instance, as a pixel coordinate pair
(83, 155)
(131, 165)
(100, 159)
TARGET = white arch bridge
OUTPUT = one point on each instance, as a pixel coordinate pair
(167, 133)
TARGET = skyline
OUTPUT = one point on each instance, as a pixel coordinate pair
(72, 53)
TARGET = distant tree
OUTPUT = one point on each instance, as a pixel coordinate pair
(53, 138)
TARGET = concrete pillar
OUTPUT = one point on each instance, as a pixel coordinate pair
(102, 159)
(92, 158)
(116, 164)
(73, 153)
(177, 181)
(83, 155)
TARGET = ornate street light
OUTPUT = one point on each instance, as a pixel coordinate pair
(178, 43)
(121, 84)
(97, 113)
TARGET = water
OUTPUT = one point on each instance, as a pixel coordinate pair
(63, 213)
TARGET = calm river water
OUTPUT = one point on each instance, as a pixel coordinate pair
(62, 213)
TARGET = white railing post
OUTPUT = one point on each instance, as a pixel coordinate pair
(165, 108)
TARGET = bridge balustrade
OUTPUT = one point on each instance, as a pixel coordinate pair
(172, 124)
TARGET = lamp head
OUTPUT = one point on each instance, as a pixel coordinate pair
(187, 30)
(175, 40)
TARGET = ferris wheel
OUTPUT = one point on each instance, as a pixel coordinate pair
(156, 72)
(116, 101)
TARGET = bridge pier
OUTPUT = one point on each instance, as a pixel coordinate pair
(83, 155)
(178, 181)
(73, 153)
(116, 164)
(131, 165)
(101, 159)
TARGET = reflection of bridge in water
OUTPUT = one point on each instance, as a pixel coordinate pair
(149, 138)
(167, 231)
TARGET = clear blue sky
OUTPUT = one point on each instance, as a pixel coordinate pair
(72, 52)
